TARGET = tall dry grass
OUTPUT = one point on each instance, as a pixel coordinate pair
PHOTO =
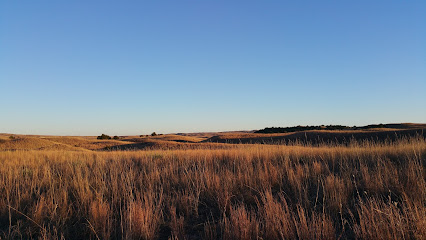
(364, 190)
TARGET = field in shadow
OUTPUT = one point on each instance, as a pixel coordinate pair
(318, 136)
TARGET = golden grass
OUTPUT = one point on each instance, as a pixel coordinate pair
(86, 143)
(35, 143)
(364, 190)
(164, 142)
(178, 138)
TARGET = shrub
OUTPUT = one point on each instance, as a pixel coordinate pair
(12, 137)
(116, 137)
(104, 136)
(153, 134)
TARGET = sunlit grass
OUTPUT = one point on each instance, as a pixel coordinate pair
(365, 190)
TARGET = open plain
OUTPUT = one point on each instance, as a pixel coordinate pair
(370, 185)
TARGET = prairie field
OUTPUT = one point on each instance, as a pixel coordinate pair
(212, 120)
(77, 188)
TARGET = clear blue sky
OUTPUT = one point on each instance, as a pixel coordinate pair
(134, 67)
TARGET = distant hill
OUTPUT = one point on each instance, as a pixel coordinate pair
(219, 140)
(339, 127)
(372, 132)
(58, 143)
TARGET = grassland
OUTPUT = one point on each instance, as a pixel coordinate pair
(184, 187)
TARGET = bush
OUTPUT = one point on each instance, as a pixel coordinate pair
(153, 134)
(104, 136)
(12, 137)
(116, 137)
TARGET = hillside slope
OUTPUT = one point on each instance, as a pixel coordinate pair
(319, 136)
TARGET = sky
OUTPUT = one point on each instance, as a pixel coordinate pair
(134, 67)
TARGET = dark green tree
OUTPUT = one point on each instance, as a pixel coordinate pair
(104, 136)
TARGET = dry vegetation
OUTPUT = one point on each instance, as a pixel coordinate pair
(361, 190)
(321, 136)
